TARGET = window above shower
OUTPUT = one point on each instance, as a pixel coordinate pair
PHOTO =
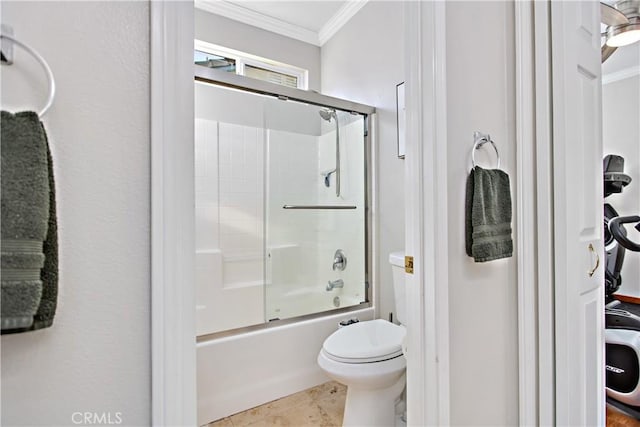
(245, 64)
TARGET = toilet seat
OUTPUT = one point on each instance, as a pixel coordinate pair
(365, 342)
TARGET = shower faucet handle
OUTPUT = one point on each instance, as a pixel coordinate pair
(339, 260)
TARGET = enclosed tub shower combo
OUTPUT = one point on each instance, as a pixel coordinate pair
(283, 235)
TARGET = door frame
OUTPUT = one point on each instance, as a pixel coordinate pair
(534, 220)
(173, 329)
(538, 374)
(525, 205)
(172, 215)
(427, 291)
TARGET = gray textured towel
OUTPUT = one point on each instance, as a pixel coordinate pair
(49, 274)
(488, 215)
(28, 210)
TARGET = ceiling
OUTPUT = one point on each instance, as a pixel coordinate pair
(312, 15)
(316, 21)
(312, 22)
(624, 59)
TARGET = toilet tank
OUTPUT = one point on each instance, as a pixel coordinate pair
(397, 268)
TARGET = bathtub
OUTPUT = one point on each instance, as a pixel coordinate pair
(241, 371)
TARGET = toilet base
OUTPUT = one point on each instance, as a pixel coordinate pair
(372, 408)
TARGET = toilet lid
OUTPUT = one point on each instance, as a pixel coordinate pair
(363, 342)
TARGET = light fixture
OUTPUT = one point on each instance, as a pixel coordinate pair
(623, 35)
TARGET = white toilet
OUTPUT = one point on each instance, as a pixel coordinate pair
(367, 358)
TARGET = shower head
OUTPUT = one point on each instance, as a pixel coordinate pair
(327, 114)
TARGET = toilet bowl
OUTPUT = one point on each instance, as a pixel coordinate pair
(367, 357)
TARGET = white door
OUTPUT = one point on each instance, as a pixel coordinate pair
(578, 218)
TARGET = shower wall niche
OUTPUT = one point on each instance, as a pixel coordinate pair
(256, 261)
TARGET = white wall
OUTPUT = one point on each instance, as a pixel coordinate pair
(621, 136)
(364, 62)
(96, 356)
(483, 301)
(232, 34)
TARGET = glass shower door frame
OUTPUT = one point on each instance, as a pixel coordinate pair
(220, 78)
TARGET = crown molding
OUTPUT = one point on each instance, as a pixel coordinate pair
(278, 26)
(253, 18)
(337, 21)
(625, 73)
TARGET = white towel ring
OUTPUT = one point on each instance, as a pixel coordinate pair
(479, 140)
(45, 66)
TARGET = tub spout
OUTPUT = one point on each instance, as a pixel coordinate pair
(335, 284)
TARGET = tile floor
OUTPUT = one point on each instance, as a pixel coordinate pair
(318, 406)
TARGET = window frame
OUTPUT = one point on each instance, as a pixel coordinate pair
(243, 58)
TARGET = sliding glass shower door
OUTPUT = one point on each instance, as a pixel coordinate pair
(315, 209)
(276, 236)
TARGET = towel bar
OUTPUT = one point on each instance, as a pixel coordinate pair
(479, 139)
(9, 60)
(319, 207)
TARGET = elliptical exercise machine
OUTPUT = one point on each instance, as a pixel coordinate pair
(622, 320)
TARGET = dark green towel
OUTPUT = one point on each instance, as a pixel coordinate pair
(29, 230)
(488, 215)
